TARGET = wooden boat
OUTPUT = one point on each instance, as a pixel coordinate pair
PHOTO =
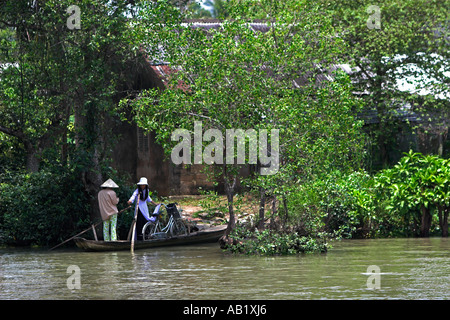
(203, 236)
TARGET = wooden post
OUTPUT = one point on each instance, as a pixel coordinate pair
(134, 222)
(95, 233)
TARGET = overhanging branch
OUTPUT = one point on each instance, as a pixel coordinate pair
(15, 133)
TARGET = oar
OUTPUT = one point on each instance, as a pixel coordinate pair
(134, 223)
(90, 228)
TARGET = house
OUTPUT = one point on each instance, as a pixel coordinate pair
(137, 151)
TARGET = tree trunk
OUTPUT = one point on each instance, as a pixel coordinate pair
(92, 180)
(274, 212)
(426, 222)
(32, 157)
(440, 211)
(225, 239)
(443, 220)
(262, 204)
(440, 144)
(383, 148)
(444, 227)
(229, 190)
(33, 162)
(87, 142)
(286, 213)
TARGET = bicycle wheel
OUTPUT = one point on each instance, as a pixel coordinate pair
(179, 228)
(149, 229)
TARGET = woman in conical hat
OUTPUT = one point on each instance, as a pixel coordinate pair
(144, 197)
(107, 201)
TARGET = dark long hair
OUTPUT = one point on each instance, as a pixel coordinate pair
(143, 193)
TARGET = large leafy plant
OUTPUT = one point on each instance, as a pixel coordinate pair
(417, 186)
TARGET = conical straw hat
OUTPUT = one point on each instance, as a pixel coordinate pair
(109, 184)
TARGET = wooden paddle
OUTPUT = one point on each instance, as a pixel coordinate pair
(134, 222)
(90, 228)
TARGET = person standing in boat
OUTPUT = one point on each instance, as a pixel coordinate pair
(107, 201)
(144, 197)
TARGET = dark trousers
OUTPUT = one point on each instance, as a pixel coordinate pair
(140, 223)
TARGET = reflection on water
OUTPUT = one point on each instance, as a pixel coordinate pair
(409, 269)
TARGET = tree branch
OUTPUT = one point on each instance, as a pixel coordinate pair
(15, 133)
(369, 78)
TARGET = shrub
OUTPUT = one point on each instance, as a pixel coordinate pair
(41, 208)
(416, 188)
(339, 204)
(268, 242)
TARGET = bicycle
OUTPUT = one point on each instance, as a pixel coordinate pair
(175, 226)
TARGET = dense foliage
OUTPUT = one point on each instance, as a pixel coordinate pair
(415, 191)
(45, 207)
(410, 199)
(341, 171)
(268, 242)
(239, 78)
(40, 208)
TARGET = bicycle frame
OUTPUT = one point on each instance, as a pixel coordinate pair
(169, 226)
(158, 225)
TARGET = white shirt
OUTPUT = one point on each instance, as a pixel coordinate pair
(142, 204)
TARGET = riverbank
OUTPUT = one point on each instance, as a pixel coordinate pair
(246, 238)
(213, 209)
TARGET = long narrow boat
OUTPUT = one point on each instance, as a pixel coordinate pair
(203, 236)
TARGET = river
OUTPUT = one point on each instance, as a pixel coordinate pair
(407, 269)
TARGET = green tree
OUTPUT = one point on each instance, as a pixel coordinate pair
(415, 187)
(238, 78)
(33, 110)
(60, 76)
(396, 41)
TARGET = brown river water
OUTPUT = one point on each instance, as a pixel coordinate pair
(352, 269)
